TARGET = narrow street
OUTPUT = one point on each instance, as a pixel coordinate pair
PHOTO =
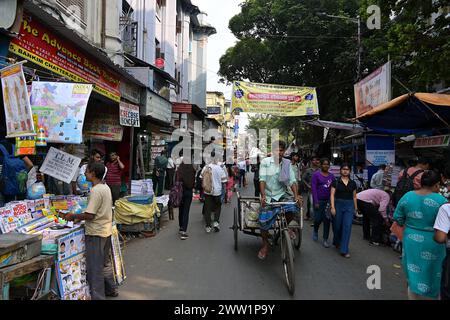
(206, 266)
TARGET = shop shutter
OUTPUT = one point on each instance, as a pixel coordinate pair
(74, 8)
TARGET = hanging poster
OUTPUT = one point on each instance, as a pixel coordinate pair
(103, 127)
(19, 120)
(129, 115)
(60, 165)
(60, 108)
(277, 100)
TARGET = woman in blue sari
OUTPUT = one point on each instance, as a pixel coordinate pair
(422, 256)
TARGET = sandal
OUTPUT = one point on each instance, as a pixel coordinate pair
(262, 254)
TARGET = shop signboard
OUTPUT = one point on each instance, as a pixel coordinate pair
(373, 90)
(104, 126)
(60, 108)
(60, 165)
(157, 107)
(277, 100)
(18, 116)
(432, 142)
(213, 110)
(129, 115)
(39, 45)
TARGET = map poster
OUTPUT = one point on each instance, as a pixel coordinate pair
(60, 165)
(19, 120)
(60, 108)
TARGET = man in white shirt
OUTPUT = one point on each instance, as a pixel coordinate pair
(442, 228)
(213, 203)
(170, 173)
(242, 166)
(377, 179)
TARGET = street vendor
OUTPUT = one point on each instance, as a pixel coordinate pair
(98, 230)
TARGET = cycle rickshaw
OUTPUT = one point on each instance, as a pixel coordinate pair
(246, 220)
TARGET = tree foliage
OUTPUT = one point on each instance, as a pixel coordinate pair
(288, 42)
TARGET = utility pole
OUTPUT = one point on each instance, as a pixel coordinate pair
(356, 20)
(359, 48)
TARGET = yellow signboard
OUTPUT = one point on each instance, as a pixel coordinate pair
(278, 100)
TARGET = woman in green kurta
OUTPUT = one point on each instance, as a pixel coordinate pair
(422, 256)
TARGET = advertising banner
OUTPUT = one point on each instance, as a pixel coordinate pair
(19, 120)
(41, 46)
(129, 115)
(277, 100)
(60, 165)
(60, 108)
(373, 90)
(104, 127)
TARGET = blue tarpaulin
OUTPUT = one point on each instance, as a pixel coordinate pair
(409, 113)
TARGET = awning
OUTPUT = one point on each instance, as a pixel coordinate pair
(336, 125)
(410, 113)
(178, 107)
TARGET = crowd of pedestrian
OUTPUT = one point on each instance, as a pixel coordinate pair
(415, 217)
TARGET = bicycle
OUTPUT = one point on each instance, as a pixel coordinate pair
(281, 230)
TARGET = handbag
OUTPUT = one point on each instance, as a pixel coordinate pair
(398, 230)
(176, 193)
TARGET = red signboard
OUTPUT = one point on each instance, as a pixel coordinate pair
(41, 46)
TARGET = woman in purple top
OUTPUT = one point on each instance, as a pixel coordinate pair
(321, 187)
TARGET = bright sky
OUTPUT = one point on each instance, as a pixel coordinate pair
(219, 14)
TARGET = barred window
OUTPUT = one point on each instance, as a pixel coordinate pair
(76, 9)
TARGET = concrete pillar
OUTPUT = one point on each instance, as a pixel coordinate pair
(113, 41)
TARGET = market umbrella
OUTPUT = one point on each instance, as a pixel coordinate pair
(410, 113)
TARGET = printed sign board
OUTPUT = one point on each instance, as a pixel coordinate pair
(60, 165)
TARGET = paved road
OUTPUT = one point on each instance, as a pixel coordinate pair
(206, 266)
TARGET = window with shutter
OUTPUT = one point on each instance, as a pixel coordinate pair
(76, 9)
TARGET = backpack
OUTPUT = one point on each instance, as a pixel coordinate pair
(404, 185)
(14, 176)
(207, 181)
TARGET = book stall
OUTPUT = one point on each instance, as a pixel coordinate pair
(58, 239)
(42, 256)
